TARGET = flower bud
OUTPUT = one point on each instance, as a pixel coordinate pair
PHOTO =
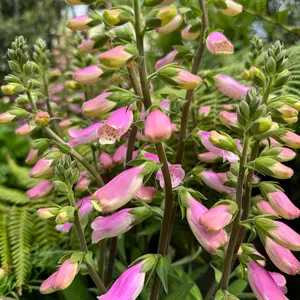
(41, 190)
(6, 117)
(285, 154)
(118, 57)
(217, 43)
(113, 225)
(261, 125)
(12, 89)
(257, 76)
(116, 125)
(116, 16)
(146, 194)
(230, 87)
(178, 77)
(282, 79)
(32, 157)
(42, 168)
(290, 139)
(42, 118)
(222, 141)
(209, 158)
(46, 286)
(171, 26)
(82, 22)
(210, 241)
(273, 168)
(168, 59)
(212, 180)
(121, 189)
(279, 201)
(219, 216)
(262, 283)
(47, 213)
(25, 129)
(282, 257)
(229, 119)
(161, 16)
(91, 45)
(233, 8)
(250, 250)
(86, 136)
(66, 214)
(105, 160)
(278, 232)
(128, 286)
(177, 175)
(158, 126)
(151, 3)
(263, 207)
(88, 75)
(204, 111)
(189, 34)
(83, 182)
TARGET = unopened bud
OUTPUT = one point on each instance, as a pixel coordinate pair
(42, 118)
(222, 141)
(257, 76)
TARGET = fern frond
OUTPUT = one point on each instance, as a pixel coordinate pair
(12, 196)
(4, 243)
(20, 228)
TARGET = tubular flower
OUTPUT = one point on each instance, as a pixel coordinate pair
(217, 43)
(233, 8)
(88, 75)
(186, 34)
(291, 140)
(32, 157)
(146, 194)
(105, 160)
(176, 173)
(115, 126)
(86, 136)
(171, 26)
(79, 23)
(168, 59)
(83, 182)
(42, 168)
(209, 158)
(41, 190)
(25, 129)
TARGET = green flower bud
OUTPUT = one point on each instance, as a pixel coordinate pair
(261, 125)
(12, 89)
(116, 16)
(270, 65)
(222, 141)
(161, 17)
(257, 76)
(65, 215)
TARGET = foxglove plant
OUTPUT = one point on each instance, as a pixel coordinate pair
(116, 137)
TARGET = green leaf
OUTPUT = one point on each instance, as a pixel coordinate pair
(162, 269)
(218, 273)
(187, 259)
(237, 286)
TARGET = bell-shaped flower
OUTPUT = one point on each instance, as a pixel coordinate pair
(42, 168)
(233, 8)
(106, 160)
(219, 216)
(204, 111)
(209, 240)
(86, 136)
(47, 213)
(176, 173)
(171, 26)
(290, 139)
(79, 23)
(83, 182)
(115, 126)
(217, 43)
(263, 207)
(88, 75)
(262, 283)
(168, 59)
(121, 189)
(229, 119)
(146, 194)
(280, 281)
(25, 129)
(230, 87)
(32, 157)
(41, 190)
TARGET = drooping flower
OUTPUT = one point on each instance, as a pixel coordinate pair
(146, 193)
(290, 139)
(25, 129)
(32, 157)
(232, 9)
(6, 117)
(79, 23)
(41, 190)
(229, 119)
(262, 284)
(116, 16)
(42, 168)
(187, 34)
(209, 240)
(168, 59)
(83, 182)
(264, 207)
(280, 281)
(86, 136)
(105, 160)
(230, 87)
(88, 75)
(176, 173)
(47, 213)
(171, 26)
(115, 126)
(217, 43)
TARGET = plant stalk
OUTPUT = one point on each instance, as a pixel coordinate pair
(230, 253)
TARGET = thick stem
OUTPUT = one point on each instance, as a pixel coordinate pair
(189, 94)
(111, 259)
(83, 245)
(229, 256)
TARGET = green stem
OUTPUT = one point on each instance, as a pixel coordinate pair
(83, 245)
(270, 20)
(189, 94)
(102, 246)
(211, 291)
(230, 252)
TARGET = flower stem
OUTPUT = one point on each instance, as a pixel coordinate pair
(111, 259)
(83, 245)
(189, 94)
(230, 252)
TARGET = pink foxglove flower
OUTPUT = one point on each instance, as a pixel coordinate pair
(285, 154)
(218, 216)
(233, 8)
(168, 59)
(227, 155)
(86, 136)
(176, 173)
(61, 279)
(128, 286)
(171, 26)
(249, 249)
(212, 180)
(282, 257)
(204, 110)
(87, 46)
(291, 140)
(158, 126)
(64, 227)
(98, 106)
(217, 43)
(230, 87)
(280, 281)
(79, 23)
(25, 129)
(118, 57)
(262, 283)
(211, 241)
(32, 157)
(186, 34)
(113, 225)
(209, 158)
(41, 190)
(115, 126)
(42, 168)
(146, 194)
(105, 160)
(264, 207)
(283, 206)
(83, 182)
(88, 75)
(47, 213)
(229, 119)
(6, 117)
(279, 232)
(121, 189)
